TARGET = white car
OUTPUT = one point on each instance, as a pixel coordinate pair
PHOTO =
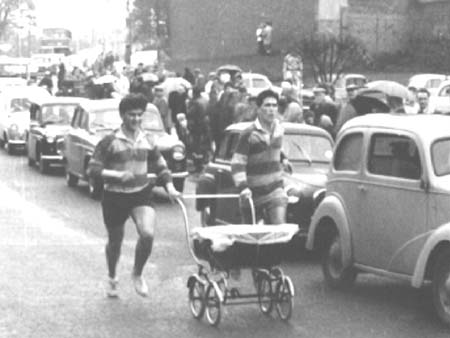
(345, 80)
(431, 82)
(440, 102)
(256, 83)
(15, 103)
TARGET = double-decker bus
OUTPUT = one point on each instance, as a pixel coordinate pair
(55, 41)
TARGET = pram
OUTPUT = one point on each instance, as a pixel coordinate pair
(219, 249)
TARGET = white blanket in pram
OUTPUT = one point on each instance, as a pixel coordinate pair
(224, 236)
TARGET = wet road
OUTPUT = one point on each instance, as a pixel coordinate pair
(52, 273)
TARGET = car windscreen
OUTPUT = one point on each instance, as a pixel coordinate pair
(440, 155)
(151, 120)
(20, 104)
(57, 114)
(307, 147)
(105, 119)
(357, 81)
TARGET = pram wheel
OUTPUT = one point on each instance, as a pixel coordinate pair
(285, 294)
(213, 306)
(265, 293)
(197, 298)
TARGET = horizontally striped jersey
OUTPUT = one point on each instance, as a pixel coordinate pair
(256, 161)
(117, 152)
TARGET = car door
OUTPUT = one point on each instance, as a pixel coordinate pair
(34, 134)
(72, 144)
(227, 210)
(345, 176)
(394, 204)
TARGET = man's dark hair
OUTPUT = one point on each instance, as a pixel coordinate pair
(131, 102)
(423, 90)
(264, 95)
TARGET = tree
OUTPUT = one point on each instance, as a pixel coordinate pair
(332, 55)
(7, 11)
(146, 23)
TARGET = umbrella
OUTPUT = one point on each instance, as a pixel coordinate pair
(368, 99)
(391, 88)
(108, 78)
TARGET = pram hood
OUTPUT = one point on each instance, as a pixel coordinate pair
(224, 236)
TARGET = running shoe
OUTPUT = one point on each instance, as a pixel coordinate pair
(140, 285)
(112, 288)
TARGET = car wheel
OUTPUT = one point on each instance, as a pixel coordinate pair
(335, 273)
(30, 161)
(43, 165)
(179, 184)
(95, 188)
(9, 148)
(207, 217)
(440, 286)
(71, 179)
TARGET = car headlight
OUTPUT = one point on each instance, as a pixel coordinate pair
(178, 153)
(50, 139)
(14, 128)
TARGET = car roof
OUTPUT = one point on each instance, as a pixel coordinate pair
(428, 126)
(63, 100)
(104, 104)
(253, 75)
(289, 127)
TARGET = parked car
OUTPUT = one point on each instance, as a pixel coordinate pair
(94, 119)
(15, 103)
(308, 148)
(431, 82)
(50, 121)
(440, 102)
(386, 205)
(345, 80)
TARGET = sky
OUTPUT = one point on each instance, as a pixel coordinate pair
(81, 16)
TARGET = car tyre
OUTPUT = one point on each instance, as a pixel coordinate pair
(178, 184)
(95, 188)
(335, 273)
(9, 148)
(30, 161)
(440, 286)
(71, 179)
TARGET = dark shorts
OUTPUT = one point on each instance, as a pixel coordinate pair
(117, 206)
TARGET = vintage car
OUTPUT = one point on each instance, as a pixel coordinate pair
(440, 102)
(345, 80)
(50, 121)
(431, 82)
(309, 150)
(94, 119)
(386, 205)
(15, 103)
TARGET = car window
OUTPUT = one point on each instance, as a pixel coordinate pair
(84, 119)
(440, 155)
(232, 145)
(105, 119)
(76, 118)
(307, 147)
(152, 120)
(445, 91)
(348, 154)
(57, 114)
(394, 155)
(358, 81)
(223, 148)
(433, 83)
(260, 83)
(246, 83)
(20, 104)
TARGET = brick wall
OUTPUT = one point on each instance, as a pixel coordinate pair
(204, 29)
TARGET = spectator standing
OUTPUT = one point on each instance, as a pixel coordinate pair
(161, 103)
(61, 75)
(189, 76)
(267, 38)
(293, 70)
(260, 38)
(423, 98)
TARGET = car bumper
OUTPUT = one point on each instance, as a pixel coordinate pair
(55, 159)
(17, 143)
(182, 174)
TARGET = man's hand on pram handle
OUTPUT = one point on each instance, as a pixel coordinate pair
(246, 194)
(172, 192)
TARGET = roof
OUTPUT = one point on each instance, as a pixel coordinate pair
(105, 104)
(288, 128)
(63, 100)
(428, 126)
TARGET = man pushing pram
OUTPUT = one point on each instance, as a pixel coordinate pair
(256, 167)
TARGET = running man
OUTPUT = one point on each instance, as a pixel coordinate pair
(256, 167)
(121, 159)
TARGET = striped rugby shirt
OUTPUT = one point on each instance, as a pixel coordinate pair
(117, 152)
(256, 162)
